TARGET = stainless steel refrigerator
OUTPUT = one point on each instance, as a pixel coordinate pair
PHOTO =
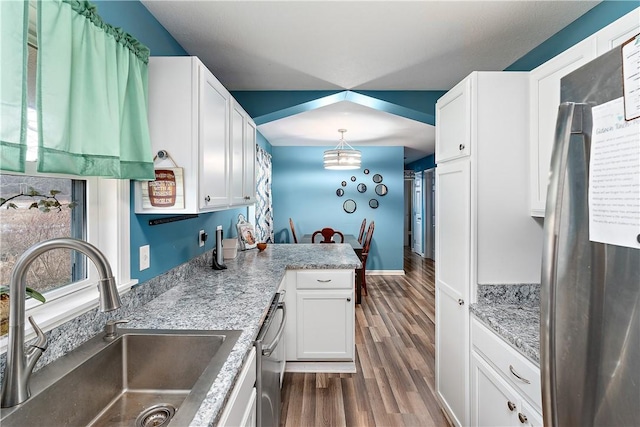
(590, 294)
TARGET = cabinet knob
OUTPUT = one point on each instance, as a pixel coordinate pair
(348, 299)
(247, 197)
(460, 301)
(522, 417)
(207, 199)
(461, 147)
(511, 405)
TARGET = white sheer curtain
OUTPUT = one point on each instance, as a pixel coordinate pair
(264, 208)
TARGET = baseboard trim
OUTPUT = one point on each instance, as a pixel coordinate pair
(385, 272)
(323, 367)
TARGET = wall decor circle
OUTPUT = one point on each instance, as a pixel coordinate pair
(362, 188)
(349, 206)
(366, 171)
(344, 183)
(377, 178)
(353, 179)
(381, 189)
(340, 192)
(373, 203)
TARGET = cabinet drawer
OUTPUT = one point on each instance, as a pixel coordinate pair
(508, 362)
(325, 279)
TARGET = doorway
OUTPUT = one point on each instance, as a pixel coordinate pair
(419, 212)
(418, 208)
(429, 214)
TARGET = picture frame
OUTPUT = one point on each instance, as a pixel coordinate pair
(246, 234)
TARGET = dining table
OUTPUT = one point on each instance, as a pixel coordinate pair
(357, 248)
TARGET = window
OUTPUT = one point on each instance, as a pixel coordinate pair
(27, 225)
(100, 216)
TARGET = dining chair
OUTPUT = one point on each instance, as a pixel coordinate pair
(362, 227)
(365, 254)
(327, 234)
(293, 231)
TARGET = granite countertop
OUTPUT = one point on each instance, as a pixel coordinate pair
(513, 312)
(237, 299)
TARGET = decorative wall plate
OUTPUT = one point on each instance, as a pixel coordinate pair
(349, 206)
(381, 189)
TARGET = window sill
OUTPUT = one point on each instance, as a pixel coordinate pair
(52, 314)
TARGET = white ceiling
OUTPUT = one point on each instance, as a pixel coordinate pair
(358, 45)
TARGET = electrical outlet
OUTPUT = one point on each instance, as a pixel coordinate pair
(202, 237)
(145, 258)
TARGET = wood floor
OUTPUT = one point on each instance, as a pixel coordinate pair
(395, 360)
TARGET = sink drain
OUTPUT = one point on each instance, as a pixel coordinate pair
(156, 416)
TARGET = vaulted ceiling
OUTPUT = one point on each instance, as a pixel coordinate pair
(358, 45)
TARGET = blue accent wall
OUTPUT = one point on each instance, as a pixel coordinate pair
(597, 18)
(306, 192)
(422, 164)
(262, 142)
(174, 243)
(136, 20)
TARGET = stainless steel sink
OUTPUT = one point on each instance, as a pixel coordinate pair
(145, 377)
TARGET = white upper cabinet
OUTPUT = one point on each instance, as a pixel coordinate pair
(544, 91)
(453, 116)
(545, 98)
(195, 120)
(243, 157)
(213, 123)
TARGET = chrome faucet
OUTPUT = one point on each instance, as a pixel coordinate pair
(20, 363)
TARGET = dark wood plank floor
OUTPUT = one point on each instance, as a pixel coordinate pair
(395, 360)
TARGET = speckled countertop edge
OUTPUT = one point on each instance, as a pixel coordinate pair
(237, 299)
(194, 296)
(513, 312)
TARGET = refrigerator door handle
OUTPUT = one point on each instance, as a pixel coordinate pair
(570, 121)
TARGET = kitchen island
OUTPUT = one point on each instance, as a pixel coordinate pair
(237, 299)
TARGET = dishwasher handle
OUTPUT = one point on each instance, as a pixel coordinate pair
(269, 348)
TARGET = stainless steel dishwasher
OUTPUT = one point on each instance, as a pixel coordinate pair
(270, 363)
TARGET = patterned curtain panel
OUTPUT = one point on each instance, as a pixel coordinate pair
(264, 209)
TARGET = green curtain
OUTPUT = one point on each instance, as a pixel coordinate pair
(14, 21)
(91, 95)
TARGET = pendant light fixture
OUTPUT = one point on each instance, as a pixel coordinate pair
(342, 157)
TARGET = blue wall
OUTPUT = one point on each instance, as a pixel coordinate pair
(595, 19)
(422, 164)
(174, 243)
(306, 192)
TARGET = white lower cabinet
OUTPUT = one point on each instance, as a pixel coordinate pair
(241, 408)
(324, 325)
(320, 333)
(505, 387)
